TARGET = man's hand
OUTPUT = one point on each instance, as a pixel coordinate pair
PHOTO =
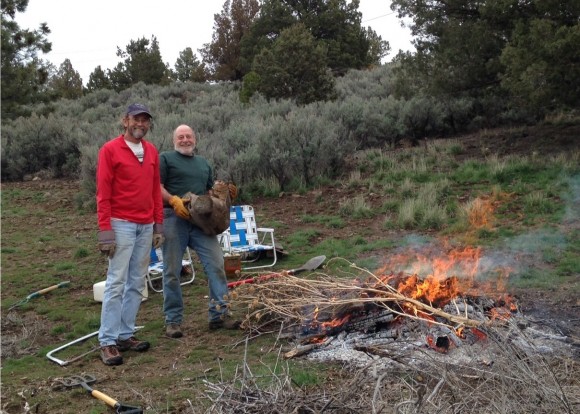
(158, 238)
(178, 207)
(106, 241)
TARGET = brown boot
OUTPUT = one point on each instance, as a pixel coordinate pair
(110, 355)
(173, 330)
(226, 323)
(132, 344)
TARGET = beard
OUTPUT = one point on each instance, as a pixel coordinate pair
(188, 151)
(138, 133)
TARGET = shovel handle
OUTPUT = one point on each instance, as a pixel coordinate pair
(105, 398)
(254, 279)
(312, 264)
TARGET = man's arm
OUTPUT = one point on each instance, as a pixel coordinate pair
(157, 196)
(176, 202)
(165, 194)
(104, 181)
(105, 235)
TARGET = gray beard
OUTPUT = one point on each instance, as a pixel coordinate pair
(137, 133)
(185, 151)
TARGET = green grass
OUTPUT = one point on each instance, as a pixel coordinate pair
(422, 196)
(333, 222)
(302, 238)
(307, 377)
(569, 265)
(352, 247)
(356, 208)
(81, 253)
(534, 278)
(471, 172)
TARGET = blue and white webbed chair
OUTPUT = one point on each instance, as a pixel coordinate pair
(155, 269)
(246, 239)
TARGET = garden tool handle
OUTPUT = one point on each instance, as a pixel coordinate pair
(254, 279)
(48, 289)
(111, 402)
(38, 293)
(310, 265)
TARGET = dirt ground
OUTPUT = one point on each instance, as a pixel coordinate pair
(555, 306)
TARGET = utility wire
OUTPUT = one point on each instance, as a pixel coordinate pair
(378, 17)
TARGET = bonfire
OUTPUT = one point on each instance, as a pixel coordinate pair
(325, 305)
(429, 335)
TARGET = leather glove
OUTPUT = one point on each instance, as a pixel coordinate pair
(158, 240)
(233, 191)
(106, 241)
(158, 237)
(178, 207)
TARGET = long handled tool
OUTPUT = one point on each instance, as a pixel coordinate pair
(85, 380)
(51, 355)
(310, 265)
(39, 293)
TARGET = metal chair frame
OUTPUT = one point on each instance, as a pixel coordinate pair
(155, 269)
(246, 239)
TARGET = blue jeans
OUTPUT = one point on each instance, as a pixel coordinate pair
(125, 280)
(179, 234)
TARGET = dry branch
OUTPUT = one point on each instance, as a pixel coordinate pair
(296, 299)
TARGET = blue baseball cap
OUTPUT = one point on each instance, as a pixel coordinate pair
(136, 109)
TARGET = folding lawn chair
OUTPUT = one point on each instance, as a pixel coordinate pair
(155, 269)
(244, 238)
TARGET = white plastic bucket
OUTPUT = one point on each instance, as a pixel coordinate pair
(99, 291)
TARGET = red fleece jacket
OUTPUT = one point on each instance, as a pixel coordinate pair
(127, 189)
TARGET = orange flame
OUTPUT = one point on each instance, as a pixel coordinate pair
(449, 275)
(440, 285)
(335, 322)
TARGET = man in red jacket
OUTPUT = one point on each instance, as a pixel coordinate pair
(130, 217)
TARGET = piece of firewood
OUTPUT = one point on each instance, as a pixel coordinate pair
(210, 212)
(304, 349)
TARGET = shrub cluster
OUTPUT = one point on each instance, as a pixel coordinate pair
(260, 141)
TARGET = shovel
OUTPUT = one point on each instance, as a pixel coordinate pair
(310, 265)
(38, 293)
(85, 380)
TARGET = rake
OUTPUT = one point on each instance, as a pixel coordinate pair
(39, 293)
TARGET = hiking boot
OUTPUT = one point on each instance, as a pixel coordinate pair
(132, 344)
(173, 330)
(226, 323)
(110, 355)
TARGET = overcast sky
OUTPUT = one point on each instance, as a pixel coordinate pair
(88, 33)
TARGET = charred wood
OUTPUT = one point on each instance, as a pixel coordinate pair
(304, 349)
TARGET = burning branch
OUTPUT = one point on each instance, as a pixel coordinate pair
(331, 298)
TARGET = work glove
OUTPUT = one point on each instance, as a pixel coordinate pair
(158, 237)
(106, 242)
(178, 207)
(221, 190)
(233, 191)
